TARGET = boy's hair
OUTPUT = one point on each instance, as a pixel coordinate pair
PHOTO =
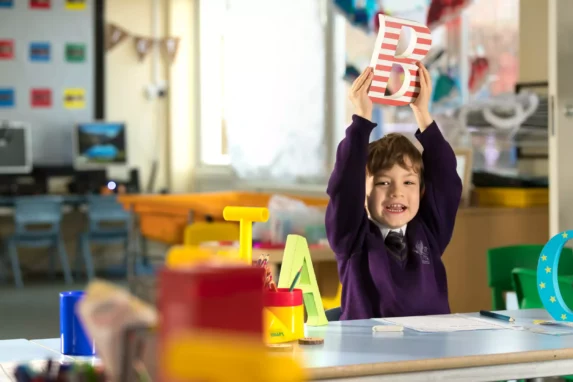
(393, 149)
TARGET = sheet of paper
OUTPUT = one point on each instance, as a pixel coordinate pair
(446, 323)
(4, 377)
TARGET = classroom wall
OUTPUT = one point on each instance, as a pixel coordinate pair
(126, 79)
(183, 115)
(533, 40)
(171, 123)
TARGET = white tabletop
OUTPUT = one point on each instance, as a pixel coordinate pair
(19, 351)
(351, 351)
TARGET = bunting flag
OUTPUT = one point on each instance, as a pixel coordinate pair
(115, 35)
(143, 45)
(171, 47)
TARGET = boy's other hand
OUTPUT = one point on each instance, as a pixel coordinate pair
(421, 105)
(359, 94)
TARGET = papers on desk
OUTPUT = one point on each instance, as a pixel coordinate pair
(446, 323)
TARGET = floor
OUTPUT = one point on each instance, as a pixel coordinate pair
(33, 311)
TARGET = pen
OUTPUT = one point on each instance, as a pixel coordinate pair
(295, 280)
(496, 316)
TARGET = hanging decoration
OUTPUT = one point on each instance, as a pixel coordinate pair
(171, 47)
(360, 13)
(478, 73)
(443, 11)
(143, 44)
(115, 35)
(351, 73)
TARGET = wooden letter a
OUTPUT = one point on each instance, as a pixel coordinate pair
(297, 255)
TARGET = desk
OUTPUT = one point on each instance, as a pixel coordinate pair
(15, 352)
(352, 352)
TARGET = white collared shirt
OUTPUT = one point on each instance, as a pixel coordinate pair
(384, 230)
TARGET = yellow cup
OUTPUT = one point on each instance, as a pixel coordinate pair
(283, 316)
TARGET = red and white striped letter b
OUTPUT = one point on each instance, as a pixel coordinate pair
(384, 57)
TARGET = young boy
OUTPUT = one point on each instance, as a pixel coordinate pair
(392, 212)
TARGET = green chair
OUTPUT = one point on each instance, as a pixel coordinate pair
(501, 262)
(525, 284)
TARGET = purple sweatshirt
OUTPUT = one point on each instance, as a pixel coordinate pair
(376, 284)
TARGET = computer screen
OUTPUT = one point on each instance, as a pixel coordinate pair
(15, 148)
(100, 144)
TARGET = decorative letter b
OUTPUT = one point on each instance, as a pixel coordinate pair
(384, 56)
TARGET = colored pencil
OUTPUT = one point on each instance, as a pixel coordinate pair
(295, 280)
(497, 316)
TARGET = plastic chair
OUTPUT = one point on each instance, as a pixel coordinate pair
(103, 211)
(525, 283)
(202, 232)
(333, 302)
(30, 213)
(333, 314)
(501, 262)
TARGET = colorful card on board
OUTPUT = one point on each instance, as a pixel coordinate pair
(6, 49)
(74, 98)
(75, 52)
(40, 4)
(39, 51)
(6, 3)
(76, 5)
(41, 98)
(7, 97)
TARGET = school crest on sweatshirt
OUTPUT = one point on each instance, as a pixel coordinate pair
(423, 252)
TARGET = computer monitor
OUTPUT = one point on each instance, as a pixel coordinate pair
(15, 148)
(99, 144)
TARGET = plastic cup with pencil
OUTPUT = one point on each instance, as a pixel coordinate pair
(284, 309)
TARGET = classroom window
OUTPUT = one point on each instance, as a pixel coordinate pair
(264, 81)
(212, 131)
(494, 32)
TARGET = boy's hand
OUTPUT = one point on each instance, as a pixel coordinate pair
(359, 94)
(421, 105)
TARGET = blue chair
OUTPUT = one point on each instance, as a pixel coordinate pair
(37, 225)
(102, 211)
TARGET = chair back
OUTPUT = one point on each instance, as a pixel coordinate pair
(333, 314)
(525, 283)
(201, 232)
(502, 260)
(105, 209)
(30, 211)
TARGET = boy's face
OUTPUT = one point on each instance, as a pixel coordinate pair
(393, 195)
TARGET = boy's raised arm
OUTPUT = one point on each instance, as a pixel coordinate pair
(442, 185)
(346, 217)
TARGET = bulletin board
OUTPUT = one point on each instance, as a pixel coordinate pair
(48, 67)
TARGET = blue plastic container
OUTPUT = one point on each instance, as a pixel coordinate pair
(73, 337)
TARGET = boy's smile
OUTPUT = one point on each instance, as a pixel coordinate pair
(393, 195)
